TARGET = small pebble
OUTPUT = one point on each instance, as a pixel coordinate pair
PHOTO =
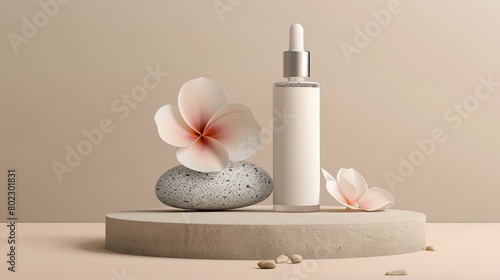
(296, 258)
(267, 264)
(431, 248)
(282, 259)
(397, 272)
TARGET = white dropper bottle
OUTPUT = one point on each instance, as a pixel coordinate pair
(296, 138)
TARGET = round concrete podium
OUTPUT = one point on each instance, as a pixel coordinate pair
(256, 232)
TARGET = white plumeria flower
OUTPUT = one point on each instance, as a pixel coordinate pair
(351, 190)
(208, 131)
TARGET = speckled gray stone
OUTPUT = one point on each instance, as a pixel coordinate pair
(241, 184)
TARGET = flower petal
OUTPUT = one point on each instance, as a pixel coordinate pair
(347, 189)
(205, 155)
(226, 110)
(199, 99)
(355, 179)
(172, 128)
(333, 189)
(376, 199)
(327, 175)
(238, 132)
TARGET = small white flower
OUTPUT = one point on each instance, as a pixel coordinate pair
(208, 131)
(351, 190)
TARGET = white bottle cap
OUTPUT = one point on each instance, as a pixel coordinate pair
(296, 59)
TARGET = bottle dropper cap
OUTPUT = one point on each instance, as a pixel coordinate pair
(296, 59)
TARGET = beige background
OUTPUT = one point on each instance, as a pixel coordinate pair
(393, 92)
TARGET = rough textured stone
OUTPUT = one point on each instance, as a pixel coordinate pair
(399, 272)
(258, 233)
(296, 258)
(241, 184)
(282, 259)
(269, 264)
(431, 248)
